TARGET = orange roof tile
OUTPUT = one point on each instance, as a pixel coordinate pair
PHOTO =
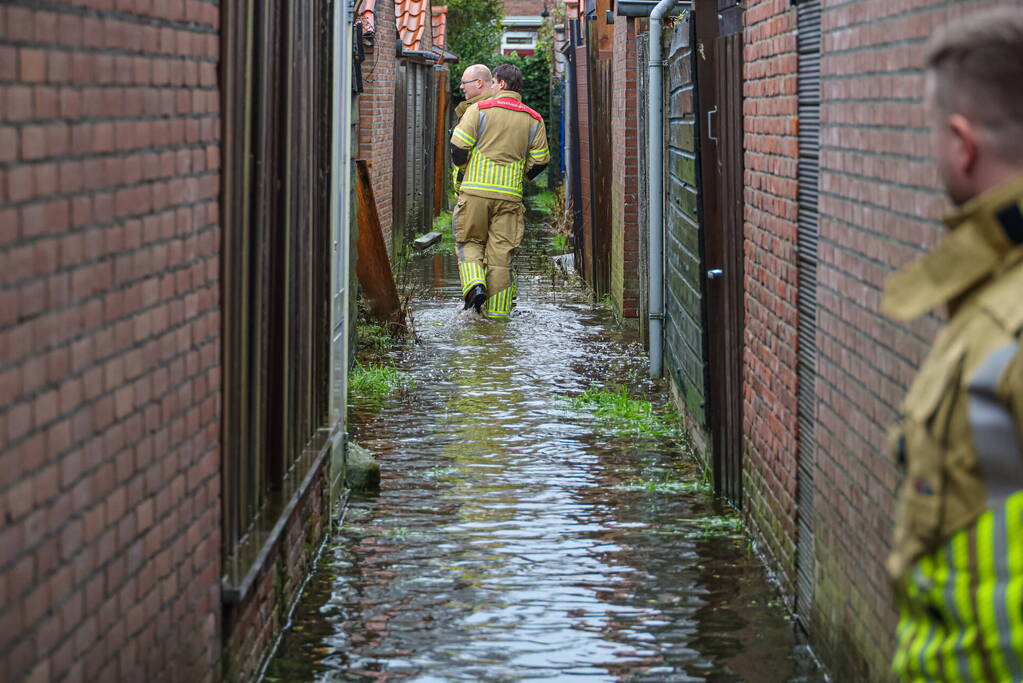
(366, 14)
(410, 15)
(440, 26)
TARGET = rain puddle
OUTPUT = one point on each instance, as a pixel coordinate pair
(521, 536)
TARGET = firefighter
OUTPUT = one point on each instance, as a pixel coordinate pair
(477, 84)
(957, 557)
(502, 141)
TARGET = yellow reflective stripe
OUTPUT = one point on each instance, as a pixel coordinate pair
(964, 601)
(463, 136)
(986, 581)
(1014, 591)
(471, 274)
(490, 188)
(539, 153)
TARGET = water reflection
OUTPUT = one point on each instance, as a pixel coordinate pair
(503, 546)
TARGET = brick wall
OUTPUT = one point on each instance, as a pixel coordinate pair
(879, 204)
(255, 624)
(376, 112)
(625, 175)
(769, 359)
(109, 340)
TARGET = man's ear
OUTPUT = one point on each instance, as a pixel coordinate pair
(964, 136)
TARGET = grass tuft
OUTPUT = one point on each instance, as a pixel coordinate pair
(715, 527)
(625, 415)
(372, 383)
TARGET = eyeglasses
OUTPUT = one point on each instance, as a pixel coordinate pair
(471, 80)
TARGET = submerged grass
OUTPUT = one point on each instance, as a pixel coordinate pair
(623, 414)
(372, 383)
(715, 527)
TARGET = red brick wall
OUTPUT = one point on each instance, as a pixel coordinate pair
(879, 200)
(109, 341)
(255, 623)
(879, 204)
(769, 362)
(523, 8)
(625, 178)
(376, 112)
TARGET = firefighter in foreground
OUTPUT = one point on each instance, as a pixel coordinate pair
(957, 558)
(501, 141)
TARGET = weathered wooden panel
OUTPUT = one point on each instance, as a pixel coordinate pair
(683, 300)
(600, 133)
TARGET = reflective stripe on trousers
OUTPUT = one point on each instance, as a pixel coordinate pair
(961, 608)
(499, 305)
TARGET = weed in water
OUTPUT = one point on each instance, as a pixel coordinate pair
(715, 527)
(559, 243)
(371, 383)
(668, 485)
(625, 415)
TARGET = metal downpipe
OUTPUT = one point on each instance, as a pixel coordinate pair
(655, 186)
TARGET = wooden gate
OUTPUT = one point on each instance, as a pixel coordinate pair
(600, 135)
(719, 37)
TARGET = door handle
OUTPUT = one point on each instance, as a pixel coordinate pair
(710, 126)
(714, 273)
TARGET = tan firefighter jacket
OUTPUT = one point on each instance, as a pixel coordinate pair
(465, 104)
(506, 138)
(959, 438)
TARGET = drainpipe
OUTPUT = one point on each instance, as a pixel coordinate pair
(655, 198)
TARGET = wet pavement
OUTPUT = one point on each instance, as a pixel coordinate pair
(517, 537)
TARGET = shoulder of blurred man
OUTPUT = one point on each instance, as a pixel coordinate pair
(464, 105)
(976, 270)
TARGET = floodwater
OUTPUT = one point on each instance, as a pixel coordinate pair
(517, 537)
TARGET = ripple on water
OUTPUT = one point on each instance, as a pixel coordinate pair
(507, 543)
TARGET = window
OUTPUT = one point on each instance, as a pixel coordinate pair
(275, 266)
(518, 40)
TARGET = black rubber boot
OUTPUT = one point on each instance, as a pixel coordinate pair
(475, 298)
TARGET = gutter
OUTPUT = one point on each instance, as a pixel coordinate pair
(655, 174)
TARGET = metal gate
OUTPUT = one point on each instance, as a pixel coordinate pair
(809, 89)
(720, 91)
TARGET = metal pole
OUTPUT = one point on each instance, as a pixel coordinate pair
(655, 199)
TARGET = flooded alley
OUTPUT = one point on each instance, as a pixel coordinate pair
(520, 534)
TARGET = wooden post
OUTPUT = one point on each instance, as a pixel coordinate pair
(440, 143)
(372, 265)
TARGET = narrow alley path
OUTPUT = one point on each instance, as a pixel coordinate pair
(517, 536)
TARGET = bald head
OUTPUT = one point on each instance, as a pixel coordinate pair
(476, 80)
